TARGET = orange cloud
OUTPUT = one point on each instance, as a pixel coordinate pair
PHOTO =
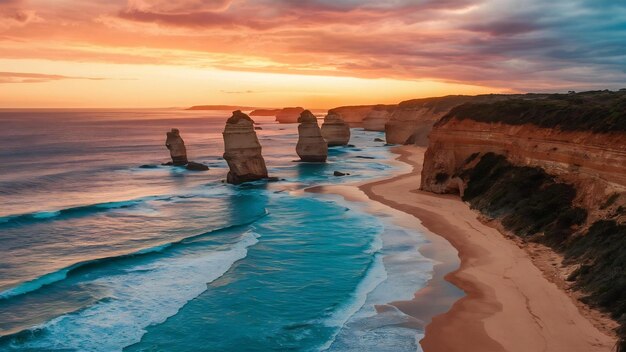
(20, 77)
(560, 45)
(14, 13)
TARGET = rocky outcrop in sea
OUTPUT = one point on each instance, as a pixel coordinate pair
(311, 145)
(289, 115)
(335, 130)
(242, 150)
(176, 146)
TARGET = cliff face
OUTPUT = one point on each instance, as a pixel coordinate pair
(412, 120)
(377, 118)
(580, 138)
(594, 162)
(265, 112)
(354, 115)
(552, 170)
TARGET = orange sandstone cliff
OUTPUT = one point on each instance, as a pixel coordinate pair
(551, 169)
(412, 120)
(354, 115)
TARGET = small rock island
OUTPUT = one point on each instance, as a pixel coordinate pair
(311, 145)
(242, 150)
(176, 146)
(335, 130)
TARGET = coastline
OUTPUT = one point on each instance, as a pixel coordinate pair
(509, 304)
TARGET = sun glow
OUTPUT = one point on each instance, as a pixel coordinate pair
(128, 85)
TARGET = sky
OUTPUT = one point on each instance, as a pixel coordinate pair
(312, 53)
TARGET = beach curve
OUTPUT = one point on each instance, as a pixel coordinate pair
(509, 305)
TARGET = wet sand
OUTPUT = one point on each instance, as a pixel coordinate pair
(509, 305)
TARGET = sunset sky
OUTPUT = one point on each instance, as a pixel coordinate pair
(314, 53)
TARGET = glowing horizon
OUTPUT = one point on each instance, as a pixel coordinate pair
(314, 53)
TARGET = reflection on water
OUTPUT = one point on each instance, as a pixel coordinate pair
(102, 254)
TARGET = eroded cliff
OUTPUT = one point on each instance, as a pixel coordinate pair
(412, 120)
(551, 170)
(354, 115)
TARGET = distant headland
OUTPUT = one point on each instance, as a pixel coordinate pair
(222, 107)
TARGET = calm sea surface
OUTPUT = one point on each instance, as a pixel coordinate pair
(101, 254)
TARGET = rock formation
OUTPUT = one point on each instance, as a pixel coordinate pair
(193, 166)
(377, 118)
(242, 150)
(335, 131)
(265, 112)
(412, 120)
(176, 146)
(289, 115)
(552, 170)
(594, 162)
(354, 115)
(311, 145)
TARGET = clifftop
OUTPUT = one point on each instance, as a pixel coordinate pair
(595, 111)
(445, 103)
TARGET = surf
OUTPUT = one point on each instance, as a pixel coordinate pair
(62, 274)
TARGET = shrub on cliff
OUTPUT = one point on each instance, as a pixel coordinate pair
(597, 111)
(602, 254)
(532, 204)
(526, 199)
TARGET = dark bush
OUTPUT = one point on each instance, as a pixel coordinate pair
(441, 177)
(529, 202)
(597, 111)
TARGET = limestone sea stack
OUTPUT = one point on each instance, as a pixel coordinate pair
(377, 118)
(311, 145)
(176, 146)
(289, 115)
(335, 130)
(242, 150)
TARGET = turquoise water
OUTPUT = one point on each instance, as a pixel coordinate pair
(164, 259)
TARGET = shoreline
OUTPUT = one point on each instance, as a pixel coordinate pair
(509, 304)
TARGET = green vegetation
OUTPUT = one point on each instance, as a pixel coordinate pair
(526, 199)
(602, 274)
(445, 103)
(597, 111)
(533, 205)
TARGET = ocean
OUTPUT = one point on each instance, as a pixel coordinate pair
(105, 249)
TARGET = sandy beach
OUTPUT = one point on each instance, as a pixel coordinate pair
(509, 304)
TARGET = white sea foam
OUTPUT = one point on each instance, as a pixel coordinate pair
(50, 278)
(35, 284)
(46, 214)
(139, 297)
(374, 277)
(406, 271)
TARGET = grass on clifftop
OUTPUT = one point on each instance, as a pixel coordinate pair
(532, 204)
(597, 111)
